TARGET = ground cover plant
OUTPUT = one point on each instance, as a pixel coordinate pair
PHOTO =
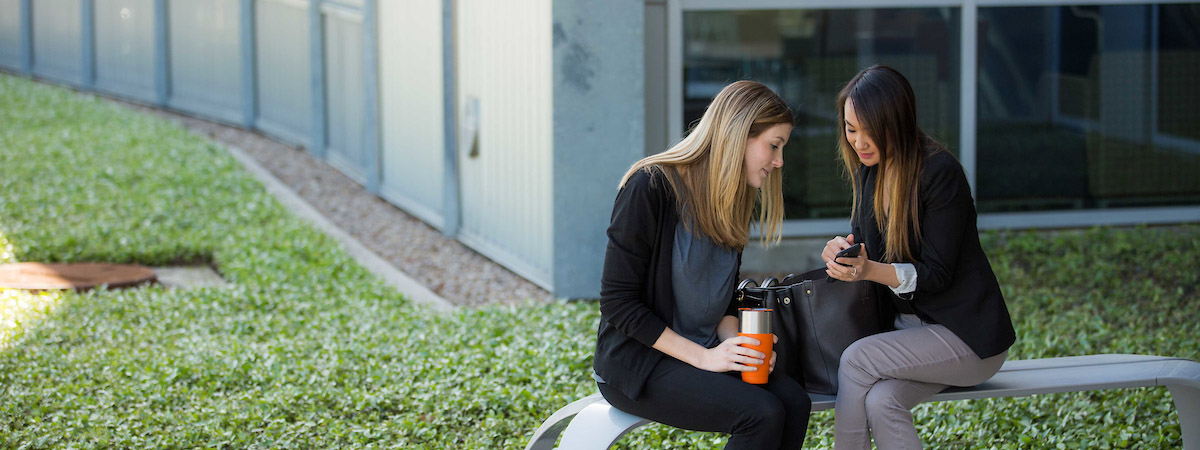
(308, 350)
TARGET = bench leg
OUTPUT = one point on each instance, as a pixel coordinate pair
(1187, 403)
(598, 426)
(547, 434)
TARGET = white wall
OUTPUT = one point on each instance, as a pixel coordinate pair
(411, 85)
(10, 34)
(504, 61)
(57, 52)
(284, 69)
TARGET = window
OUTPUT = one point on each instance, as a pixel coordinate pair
(1088, 107)
(806, 56)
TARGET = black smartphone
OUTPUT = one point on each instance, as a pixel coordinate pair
(849, 252)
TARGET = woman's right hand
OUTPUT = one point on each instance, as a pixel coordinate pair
(834, 246)
(731, 356)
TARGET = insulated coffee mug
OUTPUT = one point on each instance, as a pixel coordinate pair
(756, 323)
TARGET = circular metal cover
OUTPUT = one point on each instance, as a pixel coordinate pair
(78, 276)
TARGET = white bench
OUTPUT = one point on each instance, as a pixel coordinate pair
(596, 425)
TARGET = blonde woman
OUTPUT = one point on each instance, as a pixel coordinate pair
(914, 214)
(667, 347)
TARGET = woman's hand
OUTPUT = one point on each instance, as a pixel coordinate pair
(731, 356)
(857, 269)
(774, 354)
(835, 245)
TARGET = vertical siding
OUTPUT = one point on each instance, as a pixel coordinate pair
(206, 61)
(57, 50)
(125, 47)
(504, 61)
(411, 106)
(344, 91)
(10, 34)
(284, 77)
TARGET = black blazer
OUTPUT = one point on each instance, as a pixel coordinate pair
(636, 299)
(955, 283)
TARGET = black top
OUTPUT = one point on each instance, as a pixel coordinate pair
(636, 298)
(955, 283)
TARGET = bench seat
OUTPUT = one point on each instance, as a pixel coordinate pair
(591, 423)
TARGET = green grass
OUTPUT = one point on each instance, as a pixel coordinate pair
(308, 350)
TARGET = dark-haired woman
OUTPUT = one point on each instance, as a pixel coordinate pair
(914, 214)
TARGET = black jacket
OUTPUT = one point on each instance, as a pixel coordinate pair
(636, 299)
(955, 283)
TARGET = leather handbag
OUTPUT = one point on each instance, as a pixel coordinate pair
(815, 319)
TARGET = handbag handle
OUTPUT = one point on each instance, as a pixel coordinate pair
(765, 294)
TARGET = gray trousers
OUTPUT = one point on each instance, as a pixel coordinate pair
(882, 377)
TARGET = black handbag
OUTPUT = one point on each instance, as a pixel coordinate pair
(815, 319)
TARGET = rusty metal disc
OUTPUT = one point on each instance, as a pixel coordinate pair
(78, 276)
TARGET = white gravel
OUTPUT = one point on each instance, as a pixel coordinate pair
(447, 267)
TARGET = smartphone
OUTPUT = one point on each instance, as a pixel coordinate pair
(849, 252)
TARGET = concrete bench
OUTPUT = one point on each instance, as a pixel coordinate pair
(592, 424)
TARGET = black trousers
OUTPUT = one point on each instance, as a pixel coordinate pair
(758, 417)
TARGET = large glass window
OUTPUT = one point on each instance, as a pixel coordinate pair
(1088, 107)
(806, 56)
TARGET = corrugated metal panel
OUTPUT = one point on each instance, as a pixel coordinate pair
(206, 58)
(344, 90)
(56, 40)
(411, 86)
(10, 34)
(125, 47)
(283, 69)
(504, 61)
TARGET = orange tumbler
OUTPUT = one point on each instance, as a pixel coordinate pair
(756, 323)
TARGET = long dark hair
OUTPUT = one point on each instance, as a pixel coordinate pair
(886, 107)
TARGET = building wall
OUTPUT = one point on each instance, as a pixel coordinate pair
(599, 129)
(56, 40)
(206, 58)
(125, 48)
(411, 107)
(284, 79)
(511, 130)
(503, 67)
(10, 34)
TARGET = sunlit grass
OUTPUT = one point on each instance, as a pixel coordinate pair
(6, 250)
(20, 310)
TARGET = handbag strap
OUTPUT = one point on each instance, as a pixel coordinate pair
(750, 295)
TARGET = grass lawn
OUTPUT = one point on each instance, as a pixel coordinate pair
(308, 350)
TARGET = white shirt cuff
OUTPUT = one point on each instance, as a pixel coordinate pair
(907, 274)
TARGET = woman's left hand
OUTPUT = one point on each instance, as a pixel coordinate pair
(773, 353)
(857, 270)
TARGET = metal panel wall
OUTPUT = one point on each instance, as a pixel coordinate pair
(10, 34)
(411, 87)
(125, 48)
(504, 62)
(344, 90)
(206, 61)
(57, 53)
(284, 75)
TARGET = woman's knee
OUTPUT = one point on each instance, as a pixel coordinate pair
(880, 399)
(885, 406)
(765, 412)
(797, 402)
(802, 405)
(858, 355)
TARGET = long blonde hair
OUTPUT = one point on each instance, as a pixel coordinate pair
(887, 109)
(706, 170)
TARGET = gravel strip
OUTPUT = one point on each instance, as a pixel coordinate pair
(447, 267)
